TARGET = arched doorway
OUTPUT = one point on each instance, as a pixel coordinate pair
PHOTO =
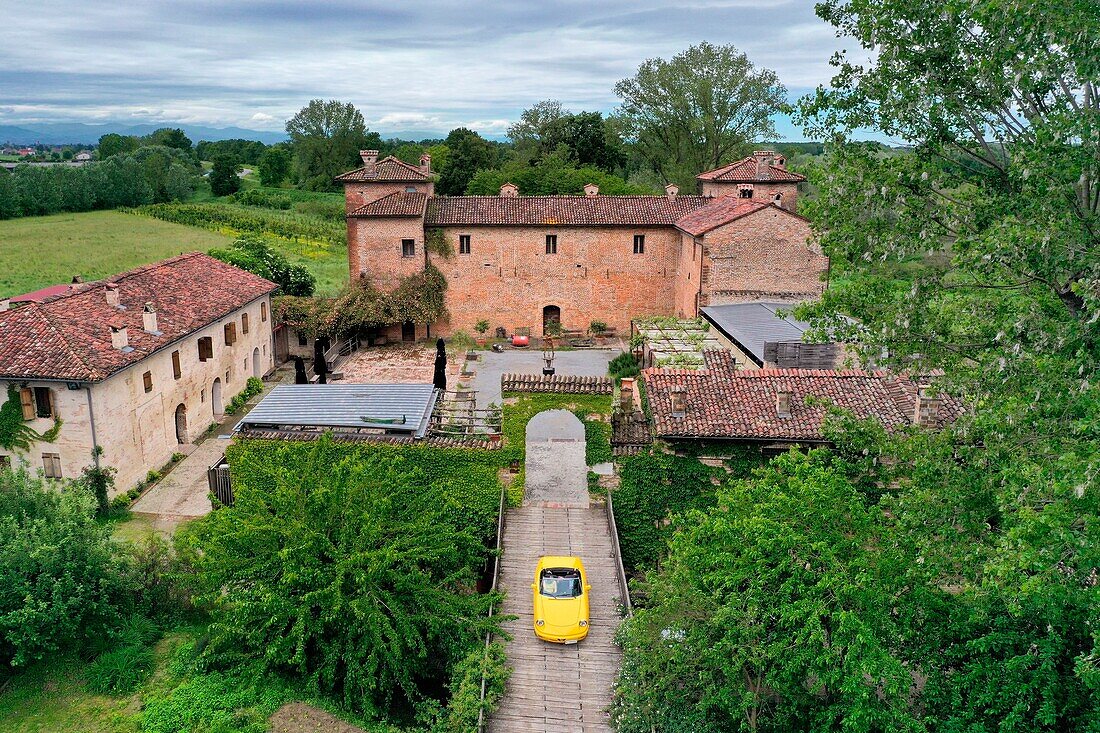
(257, 367)
(216, 396)
(551, 320)
(181, 424)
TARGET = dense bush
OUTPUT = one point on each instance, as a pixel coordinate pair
(349, 567)
(253, 387)
(262, 198)
(624, 365)
(120, 671)
(63, 583)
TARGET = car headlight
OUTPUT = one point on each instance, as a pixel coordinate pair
(582, 623)
(540, 622)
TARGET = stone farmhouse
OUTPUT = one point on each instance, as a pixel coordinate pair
(140, 364)
(531, 261)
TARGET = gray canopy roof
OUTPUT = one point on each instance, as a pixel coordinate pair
(394, 408)
(750, 325)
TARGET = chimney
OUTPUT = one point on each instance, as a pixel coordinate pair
(591, 189)
(119, 338)
(926, 411)
(671, 190)
(5, 304)
(626, 394)
(149, 318)
(77, 279)
(763, 164)
(679, 403)
(370, 160)
(426, 164)
(510, 190)
(782, 403)
(111, 289)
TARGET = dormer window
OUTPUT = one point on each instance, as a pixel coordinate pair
(745, 192)
(410, 189)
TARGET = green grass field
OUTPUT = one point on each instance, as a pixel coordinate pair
(48, 250)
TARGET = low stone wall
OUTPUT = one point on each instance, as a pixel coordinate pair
(556, 384)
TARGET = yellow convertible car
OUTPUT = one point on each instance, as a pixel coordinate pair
(561, 599)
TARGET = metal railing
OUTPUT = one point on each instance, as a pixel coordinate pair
(492, 588)
(610, 508)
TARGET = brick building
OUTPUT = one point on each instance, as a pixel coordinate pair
(527, 261)
(139, 364)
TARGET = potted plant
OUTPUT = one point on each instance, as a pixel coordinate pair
(481, 327)
(597, 329)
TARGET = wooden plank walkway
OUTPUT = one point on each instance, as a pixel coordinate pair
(558, 688)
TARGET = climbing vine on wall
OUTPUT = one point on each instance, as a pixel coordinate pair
(418, 298)
(15, 433)
(438, 243)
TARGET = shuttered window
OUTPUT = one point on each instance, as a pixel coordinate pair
(147, 380)
(639, 244)
(51, 465)
(230, 334)
(263, 312)
(244, 323)
(464, 244)
(551, 244)
(43, 401)
(206, 348)
(177, 372)
(26, 400)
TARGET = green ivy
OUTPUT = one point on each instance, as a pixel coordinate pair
(252, 388)
(437, 243)
(15, 433)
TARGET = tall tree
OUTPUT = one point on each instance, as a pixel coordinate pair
(700, 109)
(274, 165)
(170, 137)
(326, 137)
(115, 144)
(223, 177)
(468, 153)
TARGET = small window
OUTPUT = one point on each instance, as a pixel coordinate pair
(551, 244)
(177, 372)
(263, 312)
(202, 395)
(51, 464)
(410, 189)
(464, 244)
(408, 248)
(43, 400)
(244, 365)
(230, 334)
(227, 373)
(639, 244)
(745, 193)
(206, 348)
(244, 323)
(302, 340)
(147, 380)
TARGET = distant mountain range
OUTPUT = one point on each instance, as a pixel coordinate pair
(79, 133)
(69, 133)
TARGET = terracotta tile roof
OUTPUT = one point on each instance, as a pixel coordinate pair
(68, 336)
(37, 295)
(747, 170)
(399, 203)
(387, 169)
(560, 210)
(721, 211)
(726, 403)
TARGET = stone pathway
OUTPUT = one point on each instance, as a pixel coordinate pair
(557, 475)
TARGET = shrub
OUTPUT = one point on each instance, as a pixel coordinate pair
(624, 365)
(260, 198)
(597, 328)
(482, 326)
(466, 702)
(250, 252)
(121, 671)
(252, 388)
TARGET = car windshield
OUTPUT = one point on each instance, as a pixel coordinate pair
(560, 583)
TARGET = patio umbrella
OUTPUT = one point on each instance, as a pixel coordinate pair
(440, 378)
(300, 376)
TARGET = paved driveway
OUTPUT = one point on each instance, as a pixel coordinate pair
(490, 365)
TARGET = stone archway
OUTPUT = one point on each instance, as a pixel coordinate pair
(556, 471)
(551, 320)
(216, 397)
(181, 424)
(257, 366)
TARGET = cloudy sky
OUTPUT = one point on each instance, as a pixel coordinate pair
(408, 65)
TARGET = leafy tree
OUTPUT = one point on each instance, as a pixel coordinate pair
(39, 191)
(545, 127)
(169, 137)
(553, 174)
(179, 183)
(125, 184)
(10, 205)
(326, 138)
(343, 570)
(700, 109)
(63, 584)
(240, 150)
(223, 177)
(114, 144)
(274, 166)
(467, 153)
(774, 612)
(252, 252)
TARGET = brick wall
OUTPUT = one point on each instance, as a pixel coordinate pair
(508, 278)
(768, 254)
(686, 286)
(374, 249)
(760, 191)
